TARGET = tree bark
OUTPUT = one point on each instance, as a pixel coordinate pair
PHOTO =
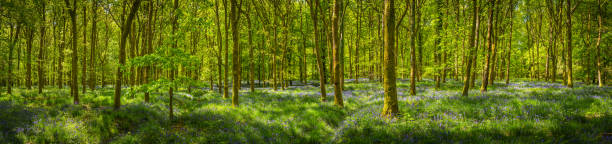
(390, 108)
(474, 46)
(74, 89)
(336, 53)
(599, 31)
(485, 70)
(568, 62)
(125, 30)
(41, 78)
(94, 42)
(314, 5)
(220, 47)
(235, 17)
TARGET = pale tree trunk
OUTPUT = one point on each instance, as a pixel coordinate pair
(600, 29)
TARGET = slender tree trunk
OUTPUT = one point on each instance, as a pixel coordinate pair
(125, 30)
(84, 60)
(336, 53)
(313, 12)
(41, 78)
(220, 46)
(9, 83)
(74, 89)
(413, 23)
(474, 46)
(148, 69)
(226, 65)
(485, 70)
(599, 31)
(174, 46)
(357, 42)
(568, 62)
(509, 44)
(235, 17)
(60, 66)
(252, 59)
(30, 38)
(94, 42)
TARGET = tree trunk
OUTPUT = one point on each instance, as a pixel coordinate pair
(252, 59)
(336, 54)
(125, 30)
(313, 12)
(235, 17)
(390, 108)
(598, 57)
(74, 89)
(485, 70)
(41, 77)
(174, 46)
(226, 65)
(220, 46)
(474, 46)
(84, 60)
(94, 42)
(509, 44)
(568, 62)
(413, 33)
(30, 38)
(357, 42)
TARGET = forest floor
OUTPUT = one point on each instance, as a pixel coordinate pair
(522, 112)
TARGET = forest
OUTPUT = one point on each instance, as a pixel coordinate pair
(305, 71)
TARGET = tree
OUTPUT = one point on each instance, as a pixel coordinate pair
(336, 54)
(225, 83)
(390, 107)
(357, 41)
(413, 37)
(568, 62)
(94, 42)
(84, 60)
(473, 46)
(30, 38)
(235, 19)
(173, 71)
(314, 5)
(597, 45)
(510, 46)
(74, 89)
(220, 47)
(125, 30)
(485, 70)
(41, 80)
(251, 62)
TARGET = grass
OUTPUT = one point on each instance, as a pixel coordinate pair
(522, 112)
